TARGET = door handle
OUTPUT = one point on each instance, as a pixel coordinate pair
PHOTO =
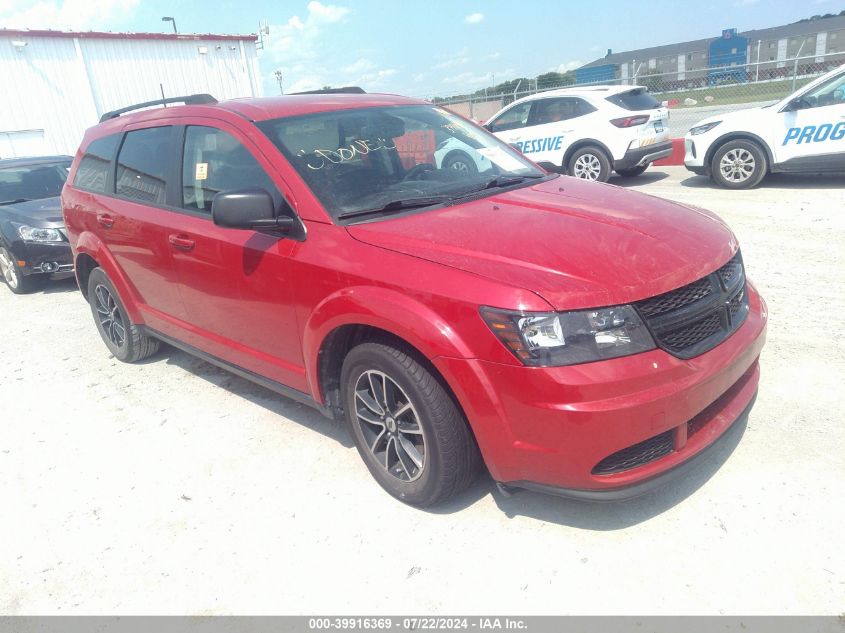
(105, 220)
(182, 242)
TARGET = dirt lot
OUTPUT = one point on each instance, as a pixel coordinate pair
(174, 487)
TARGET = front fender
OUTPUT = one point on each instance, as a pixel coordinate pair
(385, 309)
(89, 244)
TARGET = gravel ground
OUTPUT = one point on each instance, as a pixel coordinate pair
(174, 487)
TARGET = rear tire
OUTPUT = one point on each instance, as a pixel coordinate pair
(408, 430)
(633, 172)
(14, 277)
(739, 164)
(123, 338)
(589, 163)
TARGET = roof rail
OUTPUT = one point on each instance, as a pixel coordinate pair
(354, 90)
(187, 100)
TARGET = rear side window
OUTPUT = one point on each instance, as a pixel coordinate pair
(216, 161)
(638, 99)
(559, 109)
(142, 165)
(93, 171)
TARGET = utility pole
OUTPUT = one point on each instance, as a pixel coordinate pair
(278, 75)
(757, 77)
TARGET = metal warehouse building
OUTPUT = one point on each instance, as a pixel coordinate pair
(56, 83)
(819, 39)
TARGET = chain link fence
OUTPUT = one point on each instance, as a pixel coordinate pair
(691, 95)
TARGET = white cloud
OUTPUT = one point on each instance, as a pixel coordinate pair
(471, 79)
(567, 66)
(474, 18)
(360, 66)
(67, 15)
(449, 60)
(374, 79)
(327, 12)
(450, 63)
(294, 47)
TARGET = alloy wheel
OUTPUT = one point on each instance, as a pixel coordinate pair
(109, 315)
(459, 165)
(737, 165)
(587, 166)
(7, 269)
(390, 425)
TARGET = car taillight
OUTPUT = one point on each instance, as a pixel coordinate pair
(630, 121)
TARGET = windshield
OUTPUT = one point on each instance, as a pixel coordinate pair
(382, 160)
(32, 182)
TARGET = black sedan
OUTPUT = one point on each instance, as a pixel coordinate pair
(33, 244)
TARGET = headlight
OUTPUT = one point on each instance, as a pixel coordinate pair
(550, 339)
(31, 234)
(701, 129)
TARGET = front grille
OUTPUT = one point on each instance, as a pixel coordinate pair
(636, 455)
(677, 299)
(697, 317)
(683, 338)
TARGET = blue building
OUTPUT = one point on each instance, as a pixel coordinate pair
(595, 74)
(818, 41)
(726, 59)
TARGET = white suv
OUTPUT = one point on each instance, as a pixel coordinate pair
(587, 131)
(804, 132)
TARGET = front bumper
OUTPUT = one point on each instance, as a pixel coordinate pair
(640, 156)
(43, 257)
(694, 150)
(549, 428)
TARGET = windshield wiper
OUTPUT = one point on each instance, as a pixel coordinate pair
(15, 201)
(500, 181)
(395, 205)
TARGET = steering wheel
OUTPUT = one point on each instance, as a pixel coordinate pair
(416, 171)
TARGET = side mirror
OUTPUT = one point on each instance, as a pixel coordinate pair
(248, 209)
(795, 104)
(487, 126)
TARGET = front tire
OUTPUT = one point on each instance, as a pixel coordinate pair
(461, 162)
(407, 429)
(123, 338)
(739, 165)
(14, 277)
(589, 163)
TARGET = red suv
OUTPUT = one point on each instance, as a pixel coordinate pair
(575, 337)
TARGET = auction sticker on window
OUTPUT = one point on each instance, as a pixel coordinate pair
(201, 171)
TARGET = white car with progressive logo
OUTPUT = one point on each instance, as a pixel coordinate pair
(805, 132)
(587, 131)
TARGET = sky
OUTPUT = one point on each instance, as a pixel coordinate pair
(420, 48)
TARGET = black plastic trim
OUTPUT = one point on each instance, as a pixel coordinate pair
(649, 153)
(272, 385)
(197, 99)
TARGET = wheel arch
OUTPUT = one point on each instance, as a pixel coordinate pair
(586, 143)
(738, 136)
(90, 253)
(363, 313)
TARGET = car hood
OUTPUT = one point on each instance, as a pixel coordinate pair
(44, 213)
(576, 244)
(738, 117)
